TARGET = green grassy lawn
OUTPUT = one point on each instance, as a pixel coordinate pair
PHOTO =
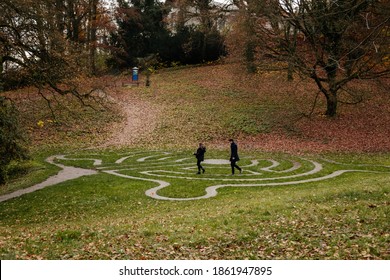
(109, 217)
(202, 104)
(268, 212)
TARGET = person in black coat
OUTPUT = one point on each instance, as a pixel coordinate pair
(200, 157)
(234, 156)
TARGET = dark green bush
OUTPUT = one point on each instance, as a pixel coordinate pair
(12, 139)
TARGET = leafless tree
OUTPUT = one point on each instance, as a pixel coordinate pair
(330, 41)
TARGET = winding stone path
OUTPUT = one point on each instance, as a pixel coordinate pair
(67, 173)
(152, 167)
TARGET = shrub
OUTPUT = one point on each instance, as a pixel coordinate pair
(12, 139)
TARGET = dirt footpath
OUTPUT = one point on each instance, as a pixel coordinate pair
(140, 118)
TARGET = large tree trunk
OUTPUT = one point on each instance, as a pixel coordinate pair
(331, 97)
(331, 104)
(1, 74)
(292, 48)
(92, 37)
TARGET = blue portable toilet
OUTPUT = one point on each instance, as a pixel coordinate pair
(135, 74)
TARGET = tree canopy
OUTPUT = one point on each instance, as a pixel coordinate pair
(47, 42)
(175, 31)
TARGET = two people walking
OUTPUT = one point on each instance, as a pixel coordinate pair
(199, 154)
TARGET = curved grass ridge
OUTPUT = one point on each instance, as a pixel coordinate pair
(168, 169)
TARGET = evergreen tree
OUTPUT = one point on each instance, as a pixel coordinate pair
(141, 31)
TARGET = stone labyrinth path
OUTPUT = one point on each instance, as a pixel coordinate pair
(177, 171)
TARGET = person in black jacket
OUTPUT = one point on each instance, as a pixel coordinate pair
(234, 156)
(200, 157)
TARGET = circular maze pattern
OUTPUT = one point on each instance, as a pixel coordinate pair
(175, 178)
(171, 171)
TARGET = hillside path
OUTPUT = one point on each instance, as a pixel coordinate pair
(140, 118)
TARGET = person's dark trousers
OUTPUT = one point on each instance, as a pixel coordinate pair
(234, 165)
(199, 166)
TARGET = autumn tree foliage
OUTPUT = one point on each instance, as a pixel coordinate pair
(331, 42)
(52, 45)
(46, 42)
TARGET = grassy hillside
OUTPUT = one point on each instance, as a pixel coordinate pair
(211, 104)
(105, 216)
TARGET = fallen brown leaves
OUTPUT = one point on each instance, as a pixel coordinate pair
(361, 127)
